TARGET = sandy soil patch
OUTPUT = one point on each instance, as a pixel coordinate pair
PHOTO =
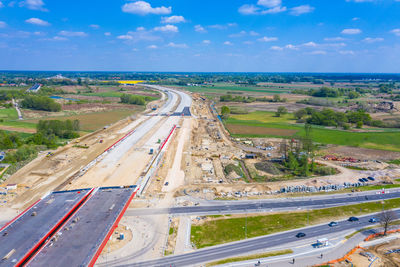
(17, 129)
(362, 153)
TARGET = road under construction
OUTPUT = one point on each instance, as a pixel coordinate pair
(71, 226)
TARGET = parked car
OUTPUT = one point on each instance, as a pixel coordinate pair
(371, 178)
(373, 220)
(167, 183)
(331, 224)
(300, 235)
(365, 179)
(361, 180)
(353, 219)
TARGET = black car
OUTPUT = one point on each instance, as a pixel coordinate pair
(361, 180)
(331, 224)
(300, 235)
(371, 178)
(353, 219)
(365, 179)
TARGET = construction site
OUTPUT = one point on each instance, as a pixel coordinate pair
(179, 154)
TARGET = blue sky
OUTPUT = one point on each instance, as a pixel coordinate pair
(201, 35)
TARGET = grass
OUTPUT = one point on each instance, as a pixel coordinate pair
(224, 88)
(8, 114)
(94, 121)
(104, 94)
(358, 231)
(219, 231)
(251, 257)
(385, 140)
(395, 161)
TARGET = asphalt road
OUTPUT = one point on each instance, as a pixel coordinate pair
(268, 205)
(249, 245)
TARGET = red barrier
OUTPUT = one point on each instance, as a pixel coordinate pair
(19, 215)
(31, 253)
(115, 225)
(119, 140)
(166, 140)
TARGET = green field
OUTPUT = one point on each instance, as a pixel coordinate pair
(8, 114)
(389, 139)
(104, 94)
(222, 230)
(224, 88)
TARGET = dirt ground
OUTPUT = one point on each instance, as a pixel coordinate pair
(17, 129)
(361, 153)
(115, 242)
(384, 260)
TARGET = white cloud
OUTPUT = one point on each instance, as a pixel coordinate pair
(199, 28)
(310, 44)
(59, 38)
(346, 52)
(222, 26)
(37, 21)
(94, 26)
(276, 48)
(167, 28)
(152, 47)
(355, 19)
(227, 43)
(371, 40)
(361, 1)
(1, 4)
(334, 39)
(144, 8)
(173, 19)
(274, 10)
(239, 34)
(318, 52)
(299, 10)
(206, 42)
(268, 39)
(291, 47)
(269, 3)
(3, 24)
(174, 45)
(248, 10)
(33, 4)
(248, 42)
(253, 33)
(125, 37)
(72, 34)
(141, 34)
(351, 31)
(396, 32)
(107, 33)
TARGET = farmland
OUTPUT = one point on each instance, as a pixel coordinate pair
(252, 124)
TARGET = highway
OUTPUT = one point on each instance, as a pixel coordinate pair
(259, 243)
(283, 204)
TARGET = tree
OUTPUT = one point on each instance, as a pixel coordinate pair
(386, 217)
(299, 114)
(276, 98)
(225, 111)
(280, 111)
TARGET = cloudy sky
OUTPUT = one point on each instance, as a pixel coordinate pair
(201, 35)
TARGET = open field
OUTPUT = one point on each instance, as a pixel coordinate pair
(388, 139)
(223, 88)
(94, 121)
(222, 230)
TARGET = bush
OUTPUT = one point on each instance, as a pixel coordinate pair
(40, 103)
(322, 170)
(133, 99)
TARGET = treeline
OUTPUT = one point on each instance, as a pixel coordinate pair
(329, 117)
(332, 92)
(135, 99)
(40, 103)
(250, 99)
